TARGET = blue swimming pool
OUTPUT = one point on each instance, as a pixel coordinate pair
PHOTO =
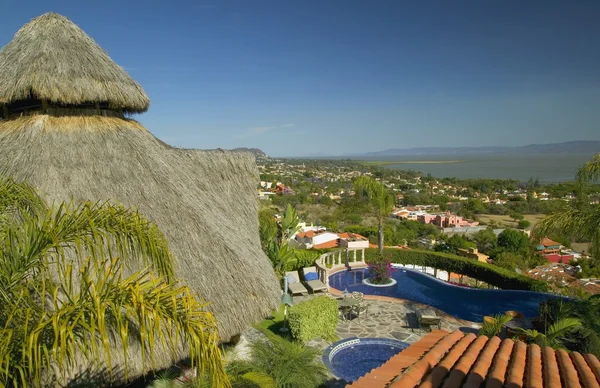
(466, 303)
(352, 358)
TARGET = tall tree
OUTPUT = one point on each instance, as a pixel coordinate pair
(582, 222)
(380, 201)
(66, 290)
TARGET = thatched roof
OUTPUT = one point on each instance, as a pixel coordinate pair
(52, 59)
(204, 201)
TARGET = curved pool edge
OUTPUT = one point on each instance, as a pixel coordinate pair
(443, 312)
(398, 266)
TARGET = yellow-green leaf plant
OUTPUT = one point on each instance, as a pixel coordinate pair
(67, 290)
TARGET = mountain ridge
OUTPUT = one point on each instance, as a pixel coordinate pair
(576, 146)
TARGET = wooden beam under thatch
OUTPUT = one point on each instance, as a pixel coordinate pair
(52, 59)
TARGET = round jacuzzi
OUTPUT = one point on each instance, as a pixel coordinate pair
(352, 358)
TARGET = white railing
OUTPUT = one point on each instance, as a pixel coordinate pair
(341, 258)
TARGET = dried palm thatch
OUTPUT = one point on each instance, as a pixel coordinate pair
(51, 58)
(204, 202)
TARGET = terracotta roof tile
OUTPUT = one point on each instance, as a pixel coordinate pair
(594, 364)
(479, 371)
(457, 360)
(534, 377)
(568, 372)
(516, 370)
(550, 367)
(439, 373)
(500, 366)
(418, 370)
(461, 369)
(586, 376)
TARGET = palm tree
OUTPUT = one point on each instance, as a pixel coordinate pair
(67, 291)
(379, 199)
(279, 363)
(493, 325)
(580, 221)
(554, 334)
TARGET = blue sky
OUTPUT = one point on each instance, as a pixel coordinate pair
(308, 77)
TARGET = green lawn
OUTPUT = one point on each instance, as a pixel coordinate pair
(270, 326)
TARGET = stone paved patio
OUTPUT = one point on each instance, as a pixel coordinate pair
(386, 318)
(394, 319)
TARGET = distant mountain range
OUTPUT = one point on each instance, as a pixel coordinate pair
(584, 146)
(257, 153)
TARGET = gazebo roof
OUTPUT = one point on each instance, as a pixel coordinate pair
(50, 58)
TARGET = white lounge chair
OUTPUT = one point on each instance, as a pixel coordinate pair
(295, 287)
(314, 285)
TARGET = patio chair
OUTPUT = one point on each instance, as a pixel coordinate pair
(294, 285)
(361, 309)
(312, 281)
(359, 296)
(428, 317)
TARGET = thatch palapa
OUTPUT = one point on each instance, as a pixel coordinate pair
(204, 201)
(52, 59)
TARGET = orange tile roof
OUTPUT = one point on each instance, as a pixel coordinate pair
(442, 359)
(350, 235)
(547, 242)
(328, 244)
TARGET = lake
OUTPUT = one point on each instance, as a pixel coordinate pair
(545, 167)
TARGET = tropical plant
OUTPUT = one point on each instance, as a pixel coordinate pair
(268, 228)
(586, 339)
(581, 221)
(64, 292)
(314, 318)
(381, 202)
(492, 326)
(289, 224)
(554, 334)
(287, 364)
(381, 269)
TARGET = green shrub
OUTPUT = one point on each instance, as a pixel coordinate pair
(314, 318)
(485, 272)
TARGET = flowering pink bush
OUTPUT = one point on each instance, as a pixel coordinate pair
(381, 270)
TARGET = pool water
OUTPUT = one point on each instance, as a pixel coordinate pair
(471, 304)
(352, 358)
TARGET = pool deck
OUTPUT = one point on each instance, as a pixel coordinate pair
(389, 318)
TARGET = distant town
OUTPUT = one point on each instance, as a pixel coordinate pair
(464, 217)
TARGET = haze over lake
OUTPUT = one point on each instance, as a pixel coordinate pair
(547, 167)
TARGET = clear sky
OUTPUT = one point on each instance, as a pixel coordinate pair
(308, 77)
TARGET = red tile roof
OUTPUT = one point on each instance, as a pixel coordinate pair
(327, 244)
(547, 242)
(442, 359)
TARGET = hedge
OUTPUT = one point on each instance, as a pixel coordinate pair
(314, 318)
(489, 273)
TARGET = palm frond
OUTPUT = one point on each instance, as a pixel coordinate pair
(590, 171)
(583, 224)
(18, 198)
(286, 364)
(562, 327)
(99, 230)
(94, 306)
(492, 327)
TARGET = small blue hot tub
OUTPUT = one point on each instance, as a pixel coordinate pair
(352, 358)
